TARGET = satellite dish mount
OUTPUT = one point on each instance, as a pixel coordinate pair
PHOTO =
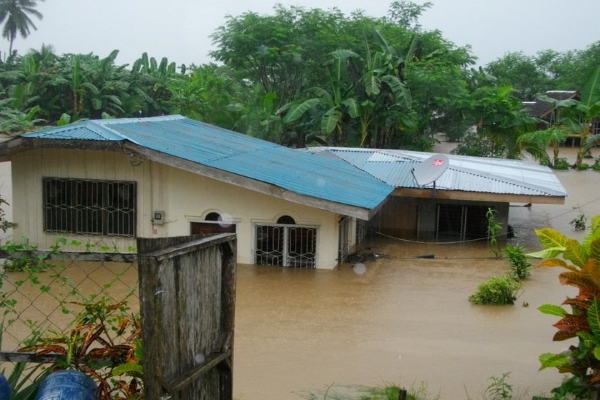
(430, 170)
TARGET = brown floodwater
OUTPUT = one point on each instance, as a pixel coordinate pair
(405, 320)
(400, 319)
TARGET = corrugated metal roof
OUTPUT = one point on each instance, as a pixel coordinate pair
(326, 178)
(471, 174)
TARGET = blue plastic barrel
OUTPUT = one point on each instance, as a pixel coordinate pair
(4, 388)
(67, 385)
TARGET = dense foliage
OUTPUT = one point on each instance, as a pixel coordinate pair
(582, 263)
(519, 262)
(300, 77)
(497, 290)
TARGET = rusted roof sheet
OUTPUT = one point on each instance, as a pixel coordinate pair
(541, 109)
(471, 174)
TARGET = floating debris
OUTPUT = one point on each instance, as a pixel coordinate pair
(364, 257)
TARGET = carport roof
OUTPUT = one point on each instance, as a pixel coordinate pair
(517, 180)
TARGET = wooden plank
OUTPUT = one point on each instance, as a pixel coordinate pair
(195, 245)
(228, 296)
(187, 297)
(179, 383)
(151, 322)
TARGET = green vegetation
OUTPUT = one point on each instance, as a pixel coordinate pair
(104, 343)
(581, 260)
(497, 290)
(104, 339)
(579, 222)
(493, 230)
(14, 15)
(302, 77)
(562, 164)
(519, 263)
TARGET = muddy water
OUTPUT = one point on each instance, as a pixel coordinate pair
(405, 320)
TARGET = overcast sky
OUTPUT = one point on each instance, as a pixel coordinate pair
(180, 29)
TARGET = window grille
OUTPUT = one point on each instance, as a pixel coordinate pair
(89, 207)
(286, 245)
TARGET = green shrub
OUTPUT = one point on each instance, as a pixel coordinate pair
(583, 166)
(498, 290)
(596, 166)
(519, 263)
(562, 163)
(579, 223)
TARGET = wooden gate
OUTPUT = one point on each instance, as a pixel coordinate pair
(187, 300)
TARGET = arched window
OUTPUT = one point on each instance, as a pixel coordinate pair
(213, 224)
(213, 216)
(286, 220)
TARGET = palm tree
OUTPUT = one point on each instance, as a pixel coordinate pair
(13, 13)
(578, 115)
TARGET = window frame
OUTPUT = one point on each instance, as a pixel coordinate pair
(89, 207)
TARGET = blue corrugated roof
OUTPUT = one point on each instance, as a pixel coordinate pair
(326, 178)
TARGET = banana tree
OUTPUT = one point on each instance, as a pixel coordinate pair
(383, 97)
(331, 106)
(75, 83)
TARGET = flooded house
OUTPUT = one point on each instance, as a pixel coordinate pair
(111, 181)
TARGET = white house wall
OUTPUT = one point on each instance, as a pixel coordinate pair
(183, 196)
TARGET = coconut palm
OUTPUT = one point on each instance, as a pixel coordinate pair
(14, 15)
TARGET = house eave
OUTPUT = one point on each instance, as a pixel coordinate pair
(17, 145)
(477, 196)
(247, 183)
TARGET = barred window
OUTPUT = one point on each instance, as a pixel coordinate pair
(89, 207)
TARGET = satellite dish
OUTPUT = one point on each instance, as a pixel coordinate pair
(431, 169)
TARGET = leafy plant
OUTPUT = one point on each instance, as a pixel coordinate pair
(579, 222)
(493, 229)
(582, 262)
(596, 166)
(24, 379)
(497, 290)
(519, 263)
(21, 257)
(499, 389)
(562, 164)
(583, 166)
(105, 344)
(571, 388)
